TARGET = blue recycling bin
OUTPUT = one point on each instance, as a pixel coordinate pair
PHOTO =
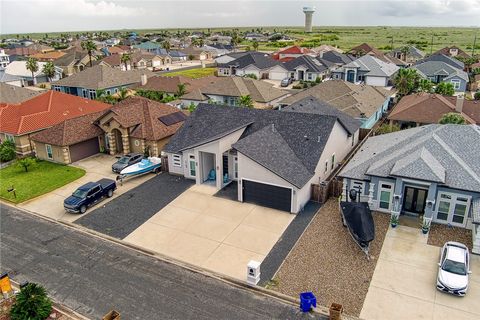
(307, 301)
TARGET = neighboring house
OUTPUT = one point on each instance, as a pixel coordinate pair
(177, 55)
(453, 51)
(410, 55)
(325, 48)
(367, 69)
(100, 77)
(111, 42)
(138, 60)
(18, 69)
(306, 68)
(48, 56)
(73, 61)
(218, 49)
(475, 85)
(366, 49)
(133, 125)
(445, 59)
(4, 59)
(441, 71)
(333, 59)
(14, 94)
(362, 102)
(151, 47)
(425, 108)
(228, 91)
(252, 36)
(256, 63)
(19, 121)
(291, 53)
(272, 158)
(229, 57)
(170, 85)
(197, 53)
(430, 171)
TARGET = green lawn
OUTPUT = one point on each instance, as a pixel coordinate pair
(192, 73)
(42, 178)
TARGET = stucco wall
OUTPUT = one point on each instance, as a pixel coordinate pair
(57, 151)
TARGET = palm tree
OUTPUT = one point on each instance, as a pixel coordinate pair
(124, 59)
(406, 81)
(181, 89)
(122, 94)
(49, 70)
(255, 45)
(32, 65)
(90, 47)
(425, 85)
(166, 45)
(246, 102)
(445, 88)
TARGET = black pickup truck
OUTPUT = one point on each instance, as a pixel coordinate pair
(88, 195)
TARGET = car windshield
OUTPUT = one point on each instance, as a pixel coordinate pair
(454, 267)
(123, 160)
(80, 193)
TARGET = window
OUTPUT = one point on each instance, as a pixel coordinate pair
(85, 93)
(452, 208)
(361, 78)
(191, 162)
(333, 161)
(177, 160)
(309, 76)
(359, 186)
(235, 167)
(456, 83)
(49, 151)
(326, 166)
(386, 193)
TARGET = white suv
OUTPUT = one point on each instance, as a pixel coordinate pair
(454, 268)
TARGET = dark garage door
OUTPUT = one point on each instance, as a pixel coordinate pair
(84, 149)
(267, 195)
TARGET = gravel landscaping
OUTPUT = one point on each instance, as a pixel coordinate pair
(329, 263)
(440, 233)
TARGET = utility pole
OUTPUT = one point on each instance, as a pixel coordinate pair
(474, 44)
(391, 43)
(431, 46)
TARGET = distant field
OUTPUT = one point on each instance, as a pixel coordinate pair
(347, 37)
(191, 73)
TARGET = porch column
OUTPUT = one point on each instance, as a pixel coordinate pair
(344, 190)
(142, 144)
(370, 195)
(397, 197)
(66, 155)
(111, 143)
(155, 149)
(219, 169)
(126, 143)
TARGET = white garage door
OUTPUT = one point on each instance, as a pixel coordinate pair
(277, 75)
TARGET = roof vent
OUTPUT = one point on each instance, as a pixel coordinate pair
(273, 127)
(318, 140)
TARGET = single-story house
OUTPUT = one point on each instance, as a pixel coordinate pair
(135, 124)
(453, 51)
(272, 158)
(218, 49)
(425, 108)
(334, 59)
(306, 68)
(362, 102)
(367, 69)
(256, 63)
(48, 56)
(229, 57)
(197, 53)
(170, 85)
(290, 53)
(72, 62)
(430, 171)
(138, 60)
(100, 77)
(19, 121)
(366, 49)
(18, 69)
(409, 54)
(13, 94)
(228, 91)
(441, 71)
(177, 55)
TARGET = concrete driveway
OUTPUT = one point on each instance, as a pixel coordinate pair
(214, 233)
(403, 284)
(96, 167)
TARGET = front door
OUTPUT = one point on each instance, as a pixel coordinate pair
(414, 200)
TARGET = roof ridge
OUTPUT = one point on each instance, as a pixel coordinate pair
(459, 160)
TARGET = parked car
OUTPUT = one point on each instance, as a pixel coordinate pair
(286, 82)
(88, 195)
(453, 268)
(126, 160)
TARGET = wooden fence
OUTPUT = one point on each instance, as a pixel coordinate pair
(322, 192)
(164, 164)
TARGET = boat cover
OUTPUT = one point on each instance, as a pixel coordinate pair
(359, 220)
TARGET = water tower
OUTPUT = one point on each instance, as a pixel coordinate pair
(308, 18)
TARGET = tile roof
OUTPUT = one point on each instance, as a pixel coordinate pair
(287, 143)
(102, 77)
(354, 100)
(143, 114)
(259, 91)
(429, 108)
(455, 148)
(315, 106)
(71, 131)
(52, 55)
(45, 110)
(14, 94)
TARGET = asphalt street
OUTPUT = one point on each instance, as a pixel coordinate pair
(121, 216)
(93, 276)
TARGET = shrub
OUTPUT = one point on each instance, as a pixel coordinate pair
(31, 303)
(476, 96)
(251, 75)
(26, 163)
(297, 86)
(318, 80)
(7, 151)
(452, 118)
(387, 128)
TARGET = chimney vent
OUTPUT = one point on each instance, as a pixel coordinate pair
(459, 104)
(143, 79)
(273, 127)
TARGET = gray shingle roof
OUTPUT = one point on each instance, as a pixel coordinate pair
(335, 57)
(444, 58)
(271, 138)
(455, 148)
(432, 68)
(312, 105)
(14, 94)
(312, 64)
(258, 59)
(476, 210)
(373, 66)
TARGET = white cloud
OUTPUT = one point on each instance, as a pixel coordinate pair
(398, 8)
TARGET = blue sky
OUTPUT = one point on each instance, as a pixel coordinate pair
(20, 16)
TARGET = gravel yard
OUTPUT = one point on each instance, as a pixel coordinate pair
(440, 233)
(329, 263)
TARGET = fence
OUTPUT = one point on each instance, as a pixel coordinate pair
(322, 192)
(164, 166)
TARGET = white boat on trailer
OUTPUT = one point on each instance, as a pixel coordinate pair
(151, 164)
